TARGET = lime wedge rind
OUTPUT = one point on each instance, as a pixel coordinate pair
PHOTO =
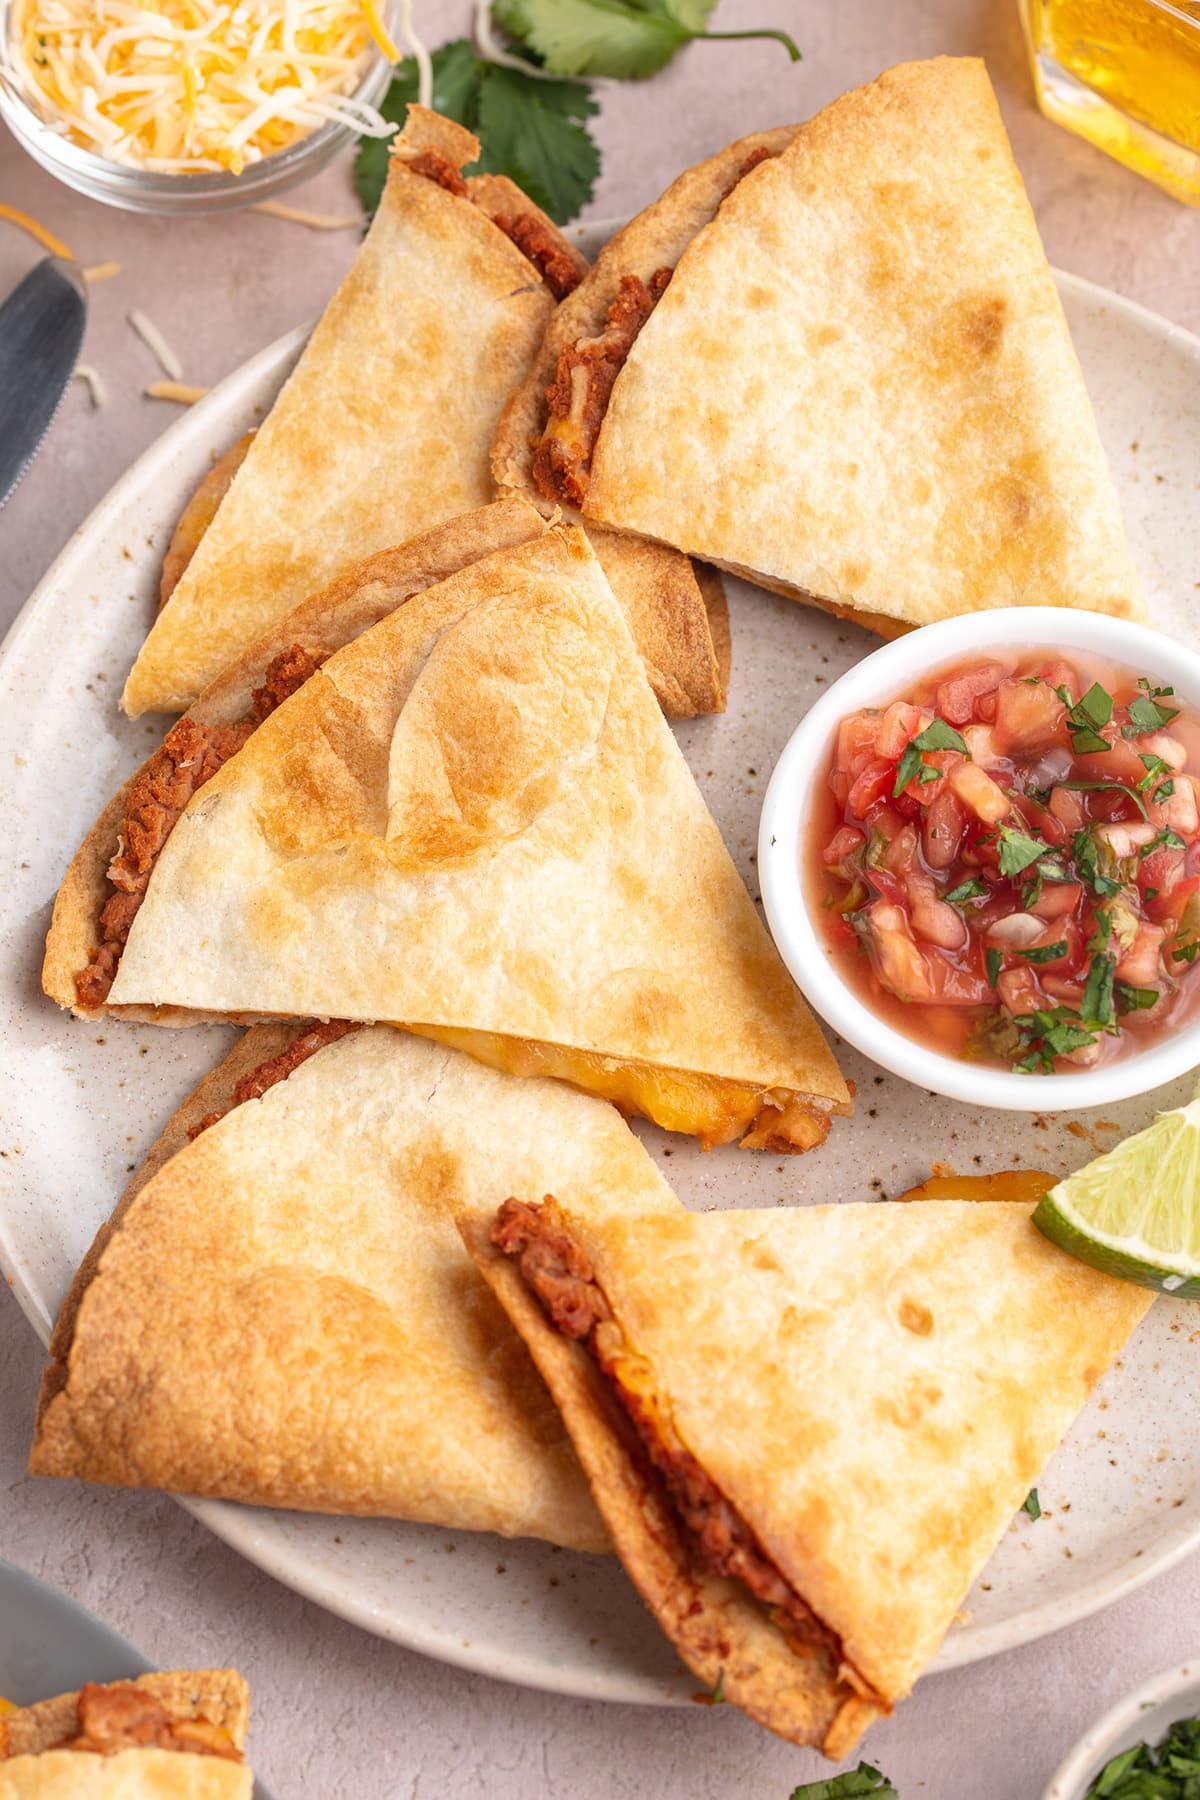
(1135, 1211)
(1113, 1258)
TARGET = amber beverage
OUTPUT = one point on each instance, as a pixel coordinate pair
(1125, 74)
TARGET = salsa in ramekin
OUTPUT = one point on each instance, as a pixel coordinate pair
(1006, 861)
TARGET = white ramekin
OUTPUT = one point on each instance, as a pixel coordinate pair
(889, 674)
(1143, 1717)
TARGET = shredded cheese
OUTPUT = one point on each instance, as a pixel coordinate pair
(183, 85)
(418, 52)
(179, 391)
(36, 230)
(95, 384)
(300, 215)
(101, 272)
(151, 336)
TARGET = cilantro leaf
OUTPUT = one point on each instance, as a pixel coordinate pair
(966, 890)
(534, 132)
(1165, 840)
(623, 38)
(1134, 999)
(1145, 713)
(1018, 850)
(1032, 1505)
(855, 1782)
(1097, 787)
(1045, 952)
(1049, 1033)
(1097, 1006)
(531, 130)
(937, 735)
(1085, 853)
(1085, 718)
(994, 960)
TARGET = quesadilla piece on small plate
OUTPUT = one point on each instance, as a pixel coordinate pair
(474, 821)
(383, 430)
(853, 383)
(179, 1735)
(807, 1430)
(282, 1312)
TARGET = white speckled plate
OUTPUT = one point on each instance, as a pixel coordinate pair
(80, 1104)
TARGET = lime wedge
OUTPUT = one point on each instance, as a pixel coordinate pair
(1135, 1211)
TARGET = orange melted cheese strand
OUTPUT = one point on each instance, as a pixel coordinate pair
(703, 1106)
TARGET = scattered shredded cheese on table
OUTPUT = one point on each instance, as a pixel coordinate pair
(95, 384)
(153, 338)
(36, 230)
(179, 391)
(300, 215)
(185, 85)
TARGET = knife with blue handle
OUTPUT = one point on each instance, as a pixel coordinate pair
(41, 329)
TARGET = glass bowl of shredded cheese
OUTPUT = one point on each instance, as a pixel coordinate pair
(191, 105)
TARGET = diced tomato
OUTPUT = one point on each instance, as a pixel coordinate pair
(979, 793)
(943, 828)
(901, 854)
(1167, 748)
(1139, 965)
(1029, 715)
(1162, 871)
(876, 780)
(1169, 906)
(1177, 812)
(1063, 988)
(900, 965)
(1059, 674)
(855, 743)
(1057, 900)
(1120, 762)
(1068, 808)
(845, 843)
(956, 986)
(898, 726)
(959, 694)
(1018, 990)
(982, 747)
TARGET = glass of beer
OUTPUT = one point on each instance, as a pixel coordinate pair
(1125, 75)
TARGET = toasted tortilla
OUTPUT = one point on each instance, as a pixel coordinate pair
(281, 1312)
(859, 387)
(129, 1775)
(32, 1769)
(872, 1388)
(360, 598)
(474, 821)
(383, 430)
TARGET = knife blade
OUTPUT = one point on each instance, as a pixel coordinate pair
(41, 330)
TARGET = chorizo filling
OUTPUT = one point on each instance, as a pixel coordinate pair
(124, 1716)
(559, 1272)
(190, 755)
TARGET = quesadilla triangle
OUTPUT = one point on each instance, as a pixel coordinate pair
(103, 887)
(179, 1735)
(282, 1312)
(854, 385)
(474, 821)
(807, 1430)
(383, 430)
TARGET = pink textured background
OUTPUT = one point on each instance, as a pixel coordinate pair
(338, 1712)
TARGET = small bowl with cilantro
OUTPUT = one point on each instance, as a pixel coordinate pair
(980, 858)
(1146, 1748)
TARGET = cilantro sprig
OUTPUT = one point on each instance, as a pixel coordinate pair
(854, 1783)
(1145, 713)
(1032, 1505)
(629, 39)
(532, 130)
(912, 765)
